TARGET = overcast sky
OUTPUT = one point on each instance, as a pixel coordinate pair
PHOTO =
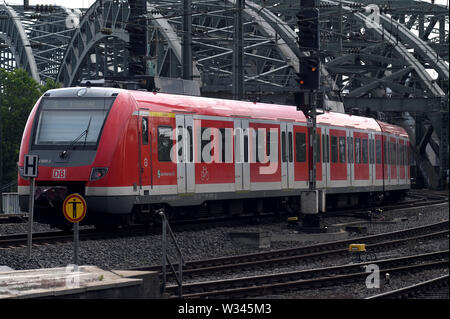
(88, 3)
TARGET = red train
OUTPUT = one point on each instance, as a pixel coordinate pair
(130, 153)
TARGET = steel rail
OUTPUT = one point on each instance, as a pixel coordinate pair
(264, 284)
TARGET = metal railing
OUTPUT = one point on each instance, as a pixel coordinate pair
(165, 257)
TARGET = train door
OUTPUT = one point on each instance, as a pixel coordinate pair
(319, 159)
(241, 155)
(397, 159)
(372, 173)
(290, 162)
(284, 157)
(350, 165)
(325, 156)
(387, 160)
(145, 167)
(392, 153)
(185, 153)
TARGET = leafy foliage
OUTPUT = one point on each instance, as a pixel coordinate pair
(18, 94)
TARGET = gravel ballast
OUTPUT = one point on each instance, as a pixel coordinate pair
(135, 251)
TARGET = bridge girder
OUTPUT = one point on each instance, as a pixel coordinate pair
(390, 63)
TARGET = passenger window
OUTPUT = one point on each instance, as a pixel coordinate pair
(324, 153)
(246, 147)
(334, 149)
(318, 148)
(342, 151)
(179, 141)
(371, 152)
(165, 143)
(205, 140)
(223, 145)
(350, 149)
(283, 147)
(291, 155)
(191, 144)
(357, 150)
(378, 151)
(300, 147)
(144, 131)
(328, 148)
(364, 151)
(391, 153)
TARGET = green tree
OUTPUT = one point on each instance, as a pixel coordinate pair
(18, 94)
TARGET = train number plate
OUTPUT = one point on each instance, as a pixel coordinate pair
(59, 173)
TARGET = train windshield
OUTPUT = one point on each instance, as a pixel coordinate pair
(68, 121)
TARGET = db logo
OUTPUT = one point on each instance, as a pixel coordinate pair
(59, 173)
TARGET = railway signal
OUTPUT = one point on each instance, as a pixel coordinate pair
(309, 84)
(309, 76)
(308, 29)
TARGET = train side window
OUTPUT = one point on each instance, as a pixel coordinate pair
(165, 143)
(246, 147)
(342, 151)
(391, 153)
(283, 147)
(223, 148)
(291, 155)
(334, 149)
(318, 148)
(300, 147)
(371, 152)
(404, 155)
(364, 151)
(328, 148)
(191, 144)
(205, 142)
(378, 151)
(357, 150)
(257, 145)
(350, 149)
(324, 159)
(268, 142)
(144, 131)
(180, 136)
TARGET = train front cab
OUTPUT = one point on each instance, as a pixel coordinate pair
(66, 129)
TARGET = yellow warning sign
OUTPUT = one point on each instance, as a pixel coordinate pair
(74, 208)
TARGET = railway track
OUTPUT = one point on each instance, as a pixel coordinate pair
(13, 218)
(280, 257)
(436, 288)
(19, 240)
(264, 285)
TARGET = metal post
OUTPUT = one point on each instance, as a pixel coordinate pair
(313, 134)
(238, 52)
(180, 271)
(76, 239)
(30, 217)
(164, 252)
(186, 40)
(1, 155)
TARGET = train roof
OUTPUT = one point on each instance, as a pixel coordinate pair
(163, 102)
(222, 107)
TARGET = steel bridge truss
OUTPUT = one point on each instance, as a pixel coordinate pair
(377, 68)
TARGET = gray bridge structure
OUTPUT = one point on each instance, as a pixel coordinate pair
(390, 61)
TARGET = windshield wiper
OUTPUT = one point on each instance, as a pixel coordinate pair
(64, 153)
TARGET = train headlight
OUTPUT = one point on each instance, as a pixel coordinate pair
(98, 173)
